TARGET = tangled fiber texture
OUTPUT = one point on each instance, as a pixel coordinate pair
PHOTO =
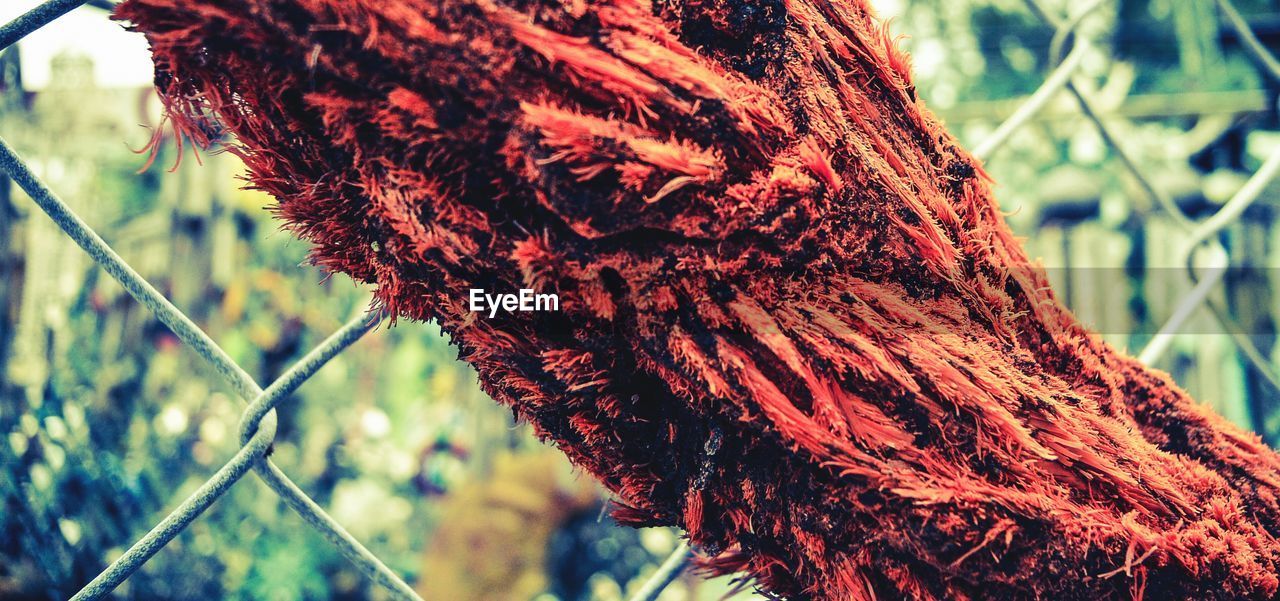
(793, 322)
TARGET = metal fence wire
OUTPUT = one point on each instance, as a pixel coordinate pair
(1205, 257)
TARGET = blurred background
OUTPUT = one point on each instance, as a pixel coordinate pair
(107, 421)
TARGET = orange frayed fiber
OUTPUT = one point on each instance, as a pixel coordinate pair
(793, 322)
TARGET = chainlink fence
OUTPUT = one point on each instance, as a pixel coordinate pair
(1206, 261)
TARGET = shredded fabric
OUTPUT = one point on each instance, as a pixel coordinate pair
(792, 320)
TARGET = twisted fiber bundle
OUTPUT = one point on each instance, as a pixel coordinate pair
(793, 322)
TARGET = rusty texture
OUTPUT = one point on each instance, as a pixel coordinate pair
(793, 321)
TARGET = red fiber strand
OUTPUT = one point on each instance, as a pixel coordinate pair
(793, 321)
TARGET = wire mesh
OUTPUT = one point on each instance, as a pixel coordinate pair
(1060, 79)
(258, 423)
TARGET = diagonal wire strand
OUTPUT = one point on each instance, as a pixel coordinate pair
(1092, 113)
(1203, 235)
(666, 573)
(181, 517)
(191, 334)
(1047, 90)
(1199, 295)
(1252, 45)
(133, 283)
(254, 448)
(34, 19)
(1062, 75)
